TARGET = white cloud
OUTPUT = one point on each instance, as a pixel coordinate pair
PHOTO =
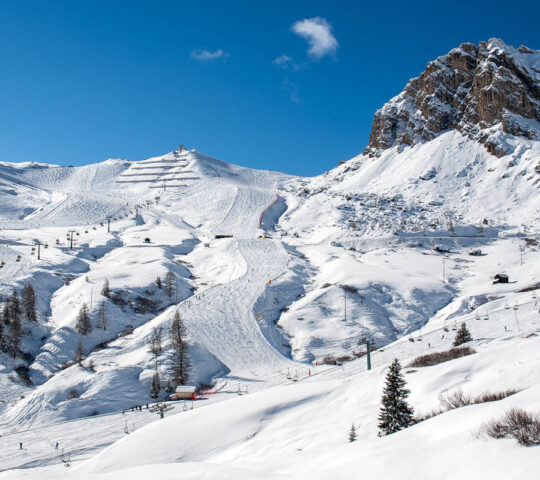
(318, 33)
(283, 61)
(204, 55)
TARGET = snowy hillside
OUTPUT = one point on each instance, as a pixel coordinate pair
(278, 280)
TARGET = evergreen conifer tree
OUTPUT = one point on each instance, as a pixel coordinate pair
(395, 413)
(159, 284)
(29, 303)
(102, 321)
(83, 325)
(352, 433)
(462, 336)
(106, 290)
(155, 386)
(181, 359)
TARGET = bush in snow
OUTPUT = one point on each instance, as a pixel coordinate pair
(458, 399)
(462, 336)
(516, 423)
(395, 413)
(155, 386)
(440, 357)
(83, 325)
(73, 393)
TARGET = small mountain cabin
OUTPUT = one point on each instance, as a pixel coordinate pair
(500, 278)
(184, 392)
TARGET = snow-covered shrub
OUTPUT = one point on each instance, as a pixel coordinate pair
(73, 393)
(431, 359)
(516, 423)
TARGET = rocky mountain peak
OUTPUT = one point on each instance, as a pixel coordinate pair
(482, 91)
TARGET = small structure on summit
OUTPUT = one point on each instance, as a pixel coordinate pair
(184, 392)
(500, 278)
(146, 240)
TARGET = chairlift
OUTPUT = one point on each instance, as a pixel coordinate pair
(506, 306)
(486, 316)
(515, 307)
(18, 259)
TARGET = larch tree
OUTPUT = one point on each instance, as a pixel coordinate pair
(29, 303)
(395, 413)
(106, 290)
(181, 358)
(102, 320)
(169, 283)
(155, 346)
(79, 353)
(15, 335)
(84, 324)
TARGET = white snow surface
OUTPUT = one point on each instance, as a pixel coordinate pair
(308, 268)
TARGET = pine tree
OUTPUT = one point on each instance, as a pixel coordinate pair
(79, 353)
(352, 434)
(155, 386)
(169, 388)
(156, 348)
(168, 283)
(462, 336)
(395, 413)
(102, 321)
(159, 284)
(106, 290)
(181, 360)
(5, 326)
(84, 325)
(29, 303)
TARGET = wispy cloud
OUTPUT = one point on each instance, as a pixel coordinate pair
(204, 55)
(290, 90)
(282, 61)
(318, 33)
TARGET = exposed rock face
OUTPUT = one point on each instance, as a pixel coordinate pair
(482, 91)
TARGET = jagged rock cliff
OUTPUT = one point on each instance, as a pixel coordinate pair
(482, 91)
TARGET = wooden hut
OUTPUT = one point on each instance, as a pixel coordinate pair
(184, 392)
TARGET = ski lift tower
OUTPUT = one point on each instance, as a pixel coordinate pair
(38, 244)
(369, 344)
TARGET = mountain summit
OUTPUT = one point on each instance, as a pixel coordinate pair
(481, 91)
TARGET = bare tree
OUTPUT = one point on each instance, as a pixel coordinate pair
(181, 359)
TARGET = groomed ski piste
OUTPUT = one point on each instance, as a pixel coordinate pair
(274, 274)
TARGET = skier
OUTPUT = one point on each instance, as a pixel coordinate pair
(20, 445)
(56, 446)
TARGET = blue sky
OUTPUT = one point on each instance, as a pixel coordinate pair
(282, 85)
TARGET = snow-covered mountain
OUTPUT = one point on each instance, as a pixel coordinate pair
(279, 278)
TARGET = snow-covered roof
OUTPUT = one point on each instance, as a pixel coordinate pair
(186, 389)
